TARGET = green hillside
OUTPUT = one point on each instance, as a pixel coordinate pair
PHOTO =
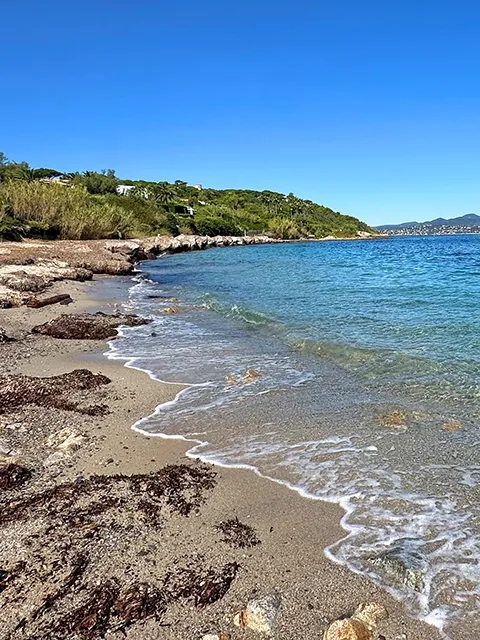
(48, 203)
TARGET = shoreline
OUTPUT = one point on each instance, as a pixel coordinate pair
(315, 590)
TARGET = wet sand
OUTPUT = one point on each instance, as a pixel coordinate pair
(293, 531)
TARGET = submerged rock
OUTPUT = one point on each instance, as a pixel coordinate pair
(260, 615)
(251, 374)
(360, 626)
(450, 427)
(87, 326)
(404, 563)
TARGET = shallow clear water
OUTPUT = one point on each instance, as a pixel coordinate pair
(365, 349)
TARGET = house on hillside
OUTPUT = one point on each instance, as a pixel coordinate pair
(124, 189)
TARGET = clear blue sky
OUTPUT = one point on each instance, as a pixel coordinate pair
(371, 107)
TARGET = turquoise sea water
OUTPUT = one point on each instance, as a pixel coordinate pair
(366, 351)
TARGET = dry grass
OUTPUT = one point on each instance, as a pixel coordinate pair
(72, 210)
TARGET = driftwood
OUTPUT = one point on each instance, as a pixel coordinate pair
(63, 298)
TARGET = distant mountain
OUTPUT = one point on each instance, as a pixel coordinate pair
(468, 220)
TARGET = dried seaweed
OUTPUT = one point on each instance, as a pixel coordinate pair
(91, 619)
(139, 602)
(13, 475)
(54, 392)
(87, 326)
(73, 512)
(203, 587)
(79, 565)
(179, 487)
(181, 490)
(238, 534)
(150, 511)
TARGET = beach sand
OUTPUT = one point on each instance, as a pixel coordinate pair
(293, 531)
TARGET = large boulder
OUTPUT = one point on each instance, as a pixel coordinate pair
(260, 615)
(360, 626)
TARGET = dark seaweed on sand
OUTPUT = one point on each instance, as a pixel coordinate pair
(203, 587)
(238, 534)
(52, 392)
(178, 487)
(74, 605)
(87, 326)
(13, 475)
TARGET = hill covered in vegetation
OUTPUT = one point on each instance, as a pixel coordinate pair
(51, 204)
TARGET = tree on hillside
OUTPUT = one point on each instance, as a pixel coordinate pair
(28, 175)
(10, 170)
(42, 172)
(180, 188)
(164, 192)
(98, 183)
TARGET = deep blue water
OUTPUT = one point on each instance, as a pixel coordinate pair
(343, 334)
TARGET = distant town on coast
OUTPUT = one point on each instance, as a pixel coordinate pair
(469, 223)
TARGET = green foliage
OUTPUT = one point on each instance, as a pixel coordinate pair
(97, 183)
(91, 208)
(284, 229)
(10, 170)
(46, 173)
(211, 220)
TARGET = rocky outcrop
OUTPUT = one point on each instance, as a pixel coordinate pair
(167, 244)
(28, 268)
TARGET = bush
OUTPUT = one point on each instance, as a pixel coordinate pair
(211, 220)
(284, 229)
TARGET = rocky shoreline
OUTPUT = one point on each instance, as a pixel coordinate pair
(29, 268)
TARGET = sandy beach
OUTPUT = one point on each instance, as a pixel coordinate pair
(124, 545)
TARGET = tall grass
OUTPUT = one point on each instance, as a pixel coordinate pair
(284, 228)
(72, 210)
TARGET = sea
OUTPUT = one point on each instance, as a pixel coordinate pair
(347, 370)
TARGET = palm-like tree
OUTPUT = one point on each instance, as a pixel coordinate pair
(164, 192)
(26, 175)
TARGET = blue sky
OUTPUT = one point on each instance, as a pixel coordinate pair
(371, 107)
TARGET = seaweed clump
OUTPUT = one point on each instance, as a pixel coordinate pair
(238, 534)
(87, 326)
(53, 392)
(107, 610)
(203, 587)
(13, 475)
(180, 488)
(79, 517)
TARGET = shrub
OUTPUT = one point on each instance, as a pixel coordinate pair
(284, 229)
